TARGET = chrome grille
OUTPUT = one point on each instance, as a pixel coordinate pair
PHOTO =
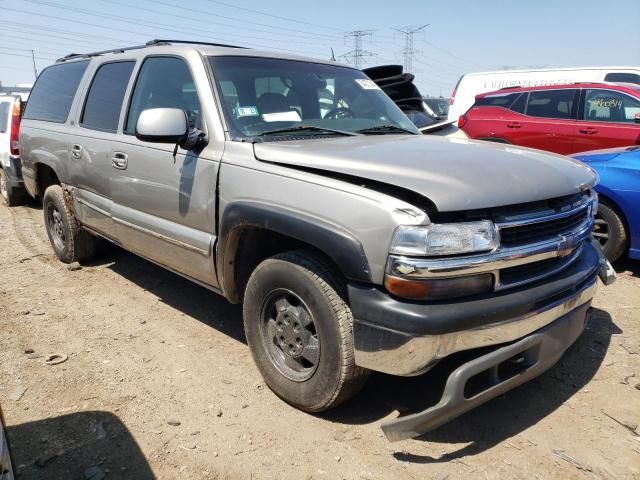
(542, 230)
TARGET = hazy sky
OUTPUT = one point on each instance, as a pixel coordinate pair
(463, 36)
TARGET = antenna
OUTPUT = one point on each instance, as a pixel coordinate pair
(356, 55)
(409, 52)
(33, 58)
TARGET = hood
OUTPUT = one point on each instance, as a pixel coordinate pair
(603, 155)
(454, 174)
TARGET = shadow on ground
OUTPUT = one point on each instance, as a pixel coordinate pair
(87, 445)
(628, 265)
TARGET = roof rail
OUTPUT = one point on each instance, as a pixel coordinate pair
(158, 41)
(73, 56)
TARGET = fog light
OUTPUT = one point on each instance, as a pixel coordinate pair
(439, 288)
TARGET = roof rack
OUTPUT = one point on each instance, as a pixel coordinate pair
(151, 43)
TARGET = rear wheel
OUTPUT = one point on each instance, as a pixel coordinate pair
(610, 231)
(9, 196)
(300, 331)
(70, 242)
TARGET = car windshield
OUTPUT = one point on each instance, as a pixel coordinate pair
(439, 105)
(267, 98)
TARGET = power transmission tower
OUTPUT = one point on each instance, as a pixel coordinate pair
(355, 56)
(409, 52)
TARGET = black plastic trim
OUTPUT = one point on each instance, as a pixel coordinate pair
(339, 245)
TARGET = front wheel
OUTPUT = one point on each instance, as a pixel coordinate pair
(610, 231)
(69, 241)
(300, 331)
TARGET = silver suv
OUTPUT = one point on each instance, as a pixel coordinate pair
(298, 188)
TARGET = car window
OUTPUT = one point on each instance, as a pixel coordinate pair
(164, 82)
(52, 95)
(520, 104)
(261, 96)
(5, 108)
(497, 100)
(610, 106)
(550, 103)
(623, 77)
(104, 99)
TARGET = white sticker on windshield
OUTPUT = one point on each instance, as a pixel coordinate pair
(247, 111)
(367, 84)
(290, 116)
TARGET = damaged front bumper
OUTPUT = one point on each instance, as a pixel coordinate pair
(497, 372)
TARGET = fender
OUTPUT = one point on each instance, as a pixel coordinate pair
(338, 244)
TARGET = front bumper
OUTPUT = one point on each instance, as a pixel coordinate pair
(498, 371)
(407, 338)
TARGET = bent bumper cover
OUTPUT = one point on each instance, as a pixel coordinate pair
(503, 369)
(403, 338)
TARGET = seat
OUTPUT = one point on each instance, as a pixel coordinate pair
(272, 103)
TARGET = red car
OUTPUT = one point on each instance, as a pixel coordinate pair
(558, 118)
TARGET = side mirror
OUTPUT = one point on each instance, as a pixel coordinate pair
(162, 125)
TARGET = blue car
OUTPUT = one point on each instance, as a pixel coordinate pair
(617, 224)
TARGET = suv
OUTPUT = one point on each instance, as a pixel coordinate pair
(559, 118)
(11, 188)
(299, 189)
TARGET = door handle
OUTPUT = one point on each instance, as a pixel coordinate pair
(76, 151)
(588, 130)
(119, 160)
(514, 125)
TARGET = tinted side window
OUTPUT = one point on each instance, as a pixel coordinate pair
(104, 100)
(520, 104)
(53, 93)
(623, 77)
(164, 82)
(499, 100)
(5, 107)
(550, 103)
(610, 106)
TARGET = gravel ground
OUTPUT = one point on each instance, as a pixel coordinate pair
(158, 383)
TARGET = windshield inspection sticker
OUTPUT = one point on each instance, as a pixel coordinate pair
(291, 116)
(247, 111)
(367, 84)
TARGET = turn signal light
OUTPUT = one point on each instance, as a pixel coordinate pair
(438, 288)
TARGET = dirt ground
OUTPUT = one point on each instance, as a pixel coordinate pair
(159, 383)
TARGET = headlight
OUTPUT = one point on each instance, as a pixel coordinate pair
(444, 239)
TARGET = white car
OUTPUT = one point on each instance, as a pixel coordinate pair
(11, 186)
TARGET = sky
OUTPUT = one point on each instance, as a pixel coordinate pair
(460, 37)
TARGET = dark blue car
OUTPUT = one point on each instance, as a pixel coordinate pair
(618, 221)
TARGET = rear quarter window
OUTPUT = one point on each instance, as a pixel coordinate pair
(52, 95)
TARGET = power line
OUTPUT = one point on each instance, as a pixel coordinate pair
(409, 52)
(356, 55)
(453, 54)
(274, 16)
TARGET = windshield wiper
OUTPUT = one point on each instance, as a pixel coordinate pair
(307, 128)
(382, 129)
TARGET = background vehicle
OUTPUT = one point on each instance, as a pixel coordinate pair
(11, 185)
(472, 84)
(617, 225)
(6, 466)
(298, 188)
(439, 105)
(560, 118)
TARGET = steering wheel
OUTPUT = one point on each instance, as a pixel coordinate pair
(340, 112)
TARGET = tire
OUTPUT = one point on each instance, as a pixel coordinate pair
(70, 242)
(307, 283)
(9, 196)
(610, 231)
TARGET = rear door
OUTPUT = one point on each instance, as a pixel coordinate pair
(94, 147)
(607, 120)
(548, 122)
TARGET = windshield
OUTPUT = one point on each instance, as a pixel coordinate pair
(267, 97)
(439, 105)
